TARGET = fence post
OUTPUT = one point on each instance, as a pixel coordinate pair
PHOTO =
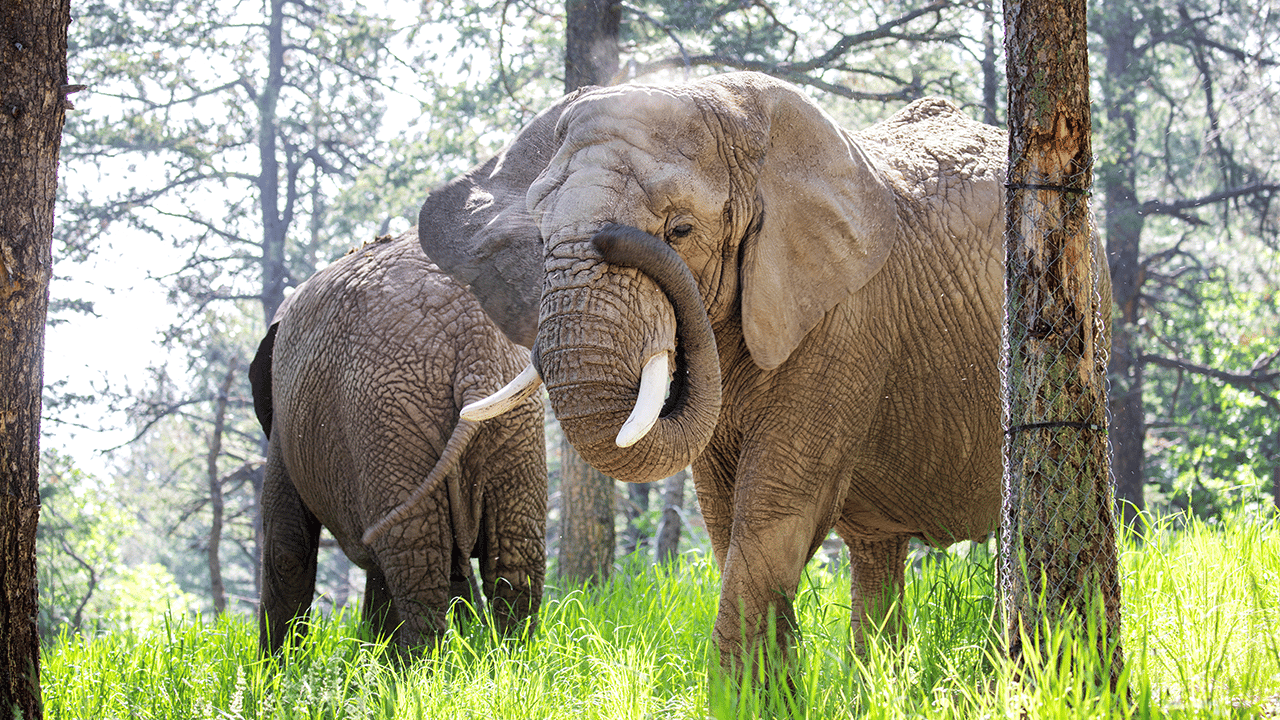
(1058, 555)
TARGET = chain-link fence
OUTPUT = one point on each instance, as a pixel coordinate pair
(1058, 560)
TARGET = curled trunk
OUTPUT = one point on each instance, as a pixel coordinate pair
(592, 365)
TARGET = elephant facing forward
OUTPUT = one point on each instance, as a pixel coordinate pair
(716, 273)
(358, 384)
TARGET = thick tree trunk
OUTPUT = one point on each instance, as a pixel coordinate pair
(215, 490)
(990, 79)
(591, 42)
(274, 225)
(668, 543)
(586, 520)
(33, 90)
(1059, 559)
(1123, 226)
(637, 505)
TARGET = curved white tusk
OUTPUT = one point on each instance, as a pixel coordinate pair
(649, 400)
(511, 395)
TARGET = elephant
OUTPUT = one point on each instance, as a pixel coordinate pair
(716, 273)
(358, 384)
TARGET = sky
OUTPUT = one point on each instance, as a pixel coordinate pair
(116, 346)
(113, 347)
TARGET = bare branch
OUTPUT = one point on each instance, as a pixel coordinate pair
(1248, 381)
(799, 72)
(1178, 208)
(848, 42)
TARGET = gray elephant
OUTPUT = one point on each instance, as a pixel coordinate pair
(358, 384)
(716, 273)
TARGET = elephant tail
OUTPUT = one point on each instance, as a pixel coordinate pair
(260, 379)
(453, 449)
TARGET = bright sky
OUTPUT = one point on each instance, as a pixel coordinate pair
(115, 347)
(122, 341)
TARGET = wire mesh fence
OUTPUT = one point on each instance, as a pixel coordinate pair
(1058, 561)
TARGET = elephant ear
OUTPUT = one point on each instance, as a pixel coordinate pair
(477, 228)
(829, 220)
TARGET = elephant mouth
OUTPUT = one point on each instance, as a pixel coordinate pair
(678, 388)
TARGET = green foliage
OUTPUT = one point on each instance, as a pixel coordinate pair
(1188, 91)
(1200, 604)
(1214, 443)
(84, 581)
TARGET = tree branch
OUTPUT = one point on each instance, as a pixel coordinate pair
(1248, 381)
(1177, 208)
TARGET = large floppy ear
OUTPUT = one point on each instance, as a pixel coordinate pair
(477, 228)
(829, 222)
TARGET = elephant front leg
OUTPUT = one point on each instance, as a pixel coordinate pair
(756, 628)
(876, 587)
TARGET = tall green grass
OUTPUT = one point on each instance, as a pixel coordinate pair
(1201, 627)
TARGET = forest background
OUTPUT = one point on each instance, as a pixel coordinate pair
(224, 151)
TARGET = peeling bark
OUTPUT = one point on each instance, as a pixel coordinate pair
(1059, 561)
(668, 542)
(586, 521)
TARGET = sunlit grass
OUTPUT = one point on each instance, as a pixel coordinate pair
(1201, 619)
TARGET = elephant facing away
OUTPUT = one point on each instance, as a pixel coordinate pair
(716, 273)
(358, 384)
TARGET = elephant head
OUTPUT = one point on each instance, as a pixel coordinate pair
(656, 218)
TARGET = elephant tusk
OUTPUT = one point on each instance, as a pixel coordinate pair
(511, 395)
(653, 393)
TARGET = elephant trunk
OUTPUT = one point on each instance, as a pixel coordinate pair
(591, 360)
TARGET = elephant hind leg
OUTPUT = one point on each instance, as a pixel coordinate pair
(378, 611)
(291, 539)
(462, 587)
(878, 578)
(512, 553)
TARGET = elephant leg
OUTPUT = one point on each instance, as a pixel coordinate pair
(512, 552)
(291, 539)
(416, 560)
(464, 594)
(713, 480)
(379, 611)
(768, 548)
(876, 587)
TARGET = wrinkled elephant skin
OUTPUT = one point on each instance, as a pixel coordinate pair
(853, 284)
(358, 384)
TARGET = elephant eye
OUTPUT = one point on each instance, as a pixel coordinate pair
(681, 230)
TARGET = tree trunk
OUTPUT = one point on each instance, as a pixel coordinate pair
(591, 42)
(990, 79)
(1123, 226)
(274, 225)
(1059, 552)
(637, 505)
(668, 545)
(33, 91)
(215, 490)
(586, 520)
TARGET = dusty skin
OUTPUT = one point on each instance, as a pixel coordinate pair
(358, 384)
(831, 301)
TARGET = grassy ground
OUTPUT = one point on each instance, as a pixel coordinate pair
(1201, 637)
